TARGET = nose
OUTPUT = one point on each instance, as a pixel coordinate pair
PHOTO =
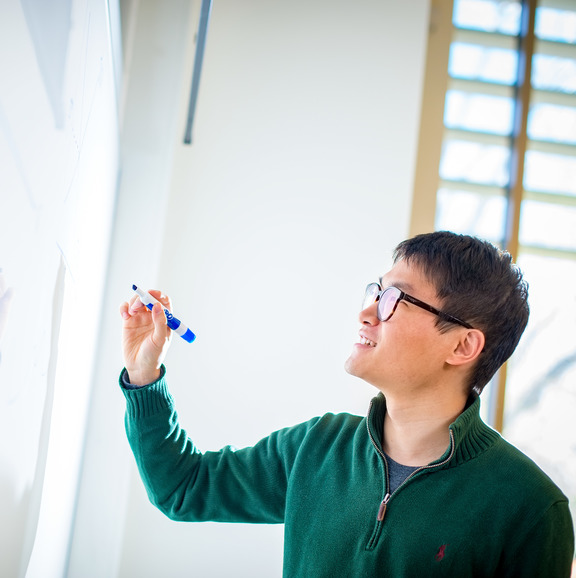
(369, 315)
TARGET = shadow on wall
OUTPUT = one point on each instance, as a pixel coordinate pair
(49, 25)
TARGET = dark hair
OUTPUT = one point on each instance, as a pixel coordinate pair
(476, 282)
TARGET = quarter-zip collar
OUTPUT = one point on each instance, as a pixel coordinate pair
(470, 436)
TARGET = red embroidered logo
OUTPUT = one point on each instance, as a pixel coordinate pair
(441, 552)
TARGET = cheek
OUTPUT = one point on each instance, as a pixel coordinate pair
(414, 343)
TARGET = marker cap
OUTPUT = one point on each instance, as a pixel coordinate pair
(188, 336)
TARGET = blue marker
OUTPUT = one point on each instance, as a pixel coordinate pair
(174, 324)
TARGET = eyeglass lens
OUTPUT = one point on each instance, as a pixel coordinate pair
(387, 304)
(371, 295)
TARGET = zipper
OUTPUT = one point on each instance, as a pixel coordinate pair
(382, 508)
(384, 503)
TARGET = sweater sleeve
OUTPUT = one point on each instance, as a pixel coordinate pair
(247, 485)
(546, 548)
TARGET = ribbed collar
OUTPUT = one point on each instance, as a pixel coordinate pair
(470, 434)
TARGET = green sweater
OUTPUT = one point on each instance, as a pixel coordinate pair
(482, 509)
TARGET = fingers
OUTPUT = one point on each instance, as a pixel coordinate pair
(134, 306)
(164, 299)
(162, 332)
(124, 311)
(130, 308)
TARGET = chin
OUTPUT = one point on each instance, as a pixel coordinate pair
(356, 370)
(349, 366)
(353, 368)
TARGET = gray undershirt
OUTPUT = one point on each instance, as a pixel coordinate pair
(397, 473)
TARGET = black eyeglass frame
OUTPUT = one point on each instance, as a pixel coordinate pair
(404, 296)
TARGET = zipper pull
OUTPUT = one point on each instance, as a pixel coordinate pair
(382, 508)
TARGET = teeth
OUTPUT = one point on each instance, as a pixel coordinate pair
(365, 341)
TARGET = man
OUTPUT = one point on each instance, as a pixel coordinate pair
(421, 486)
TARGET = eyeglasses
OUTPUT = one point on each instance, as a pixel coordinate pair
(389, 298)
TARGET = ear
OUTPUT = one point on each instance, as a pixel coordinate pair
(468, 347)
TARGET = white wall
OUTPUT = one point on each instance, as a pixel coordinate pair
(264, 231)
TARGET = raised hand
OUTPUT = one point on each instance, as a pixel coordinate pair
(145, 338)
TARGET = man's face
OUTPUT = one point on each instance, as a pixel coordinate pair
(407, 352)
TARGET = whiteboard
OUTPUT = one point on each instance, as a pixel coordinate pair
(58, 172)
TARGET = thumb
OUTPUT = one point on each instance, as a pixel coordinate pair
(159, 320)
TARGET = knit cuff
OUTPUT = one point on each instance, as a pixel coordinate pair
(147, 400)
(125, 381)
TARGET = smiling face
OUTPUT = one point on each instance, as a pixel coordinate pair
(406, 353)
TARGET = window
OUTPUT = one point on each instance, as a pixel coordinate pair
(482, 189)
